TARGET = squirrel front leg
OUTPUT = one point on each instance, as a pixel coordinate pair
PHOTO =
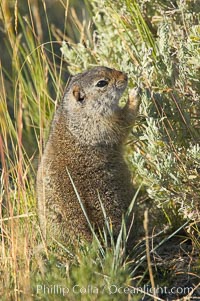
(130, 110)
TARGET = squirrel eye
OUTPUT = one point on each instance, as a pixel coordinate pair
(102, 83)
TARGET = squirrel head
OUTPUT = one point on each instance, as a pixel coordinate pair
(96, 91)
(91, 102)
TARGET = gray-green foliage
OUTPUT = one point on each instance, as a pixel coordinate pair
(157, 45)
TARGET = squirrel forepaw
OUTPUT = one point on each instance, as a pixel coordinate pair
(134, 98)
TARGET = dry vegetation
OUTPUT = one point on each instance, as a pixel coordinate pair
(158, 45)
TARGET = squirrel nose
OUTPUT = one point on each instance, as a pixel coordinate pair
(118, 75)
(125, 76)
(121, 80)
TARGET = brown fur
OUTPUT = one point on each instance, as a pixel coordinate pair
(86, 139)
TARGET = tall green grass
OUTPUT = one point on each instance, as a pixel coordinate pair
(157, 44)
(26, 107)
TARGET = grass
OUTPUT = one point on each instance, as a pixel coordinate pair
(158, 46)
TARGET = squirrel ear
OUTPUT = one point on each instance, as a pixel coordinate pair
(78, 93)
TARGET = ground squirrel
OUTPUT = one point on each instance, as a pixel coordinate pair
(86, 139)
